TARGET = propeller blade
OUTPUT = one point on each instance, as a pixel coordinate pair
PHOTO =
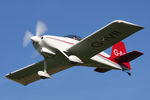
(27, 38)
(35, 54)
(41, 28)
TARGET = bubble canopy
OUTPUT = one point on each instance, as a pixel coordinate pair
(74, 37)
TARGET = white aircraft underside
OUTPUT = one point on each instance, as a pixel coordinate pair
(61, 53)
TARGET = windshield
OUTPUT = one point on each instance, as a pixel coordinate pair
(74, 37)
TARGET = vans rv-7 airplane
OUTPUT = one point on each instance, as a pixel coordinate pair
(61, 53)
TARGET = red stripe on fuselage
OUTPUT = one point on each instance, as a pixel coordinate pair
(60, 40)
(107, 58)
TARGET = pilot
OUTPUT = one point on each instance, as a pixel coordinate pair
(74, 38)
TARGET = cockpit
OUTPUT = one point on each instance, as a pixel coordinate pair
(74, 37)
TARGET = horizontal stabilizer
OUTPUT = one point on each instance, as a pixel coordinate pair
(128, 57)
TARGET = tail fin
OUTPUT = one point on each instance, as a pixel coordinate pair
(120, 54)
(119, 50)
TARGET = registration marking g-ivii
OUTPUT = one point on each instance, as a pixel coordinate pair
(118, 53)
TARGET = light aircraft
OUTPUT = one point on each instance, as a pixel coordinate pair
(61, 53)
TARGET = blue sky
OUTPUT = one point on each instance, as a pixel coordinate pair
(80, 17)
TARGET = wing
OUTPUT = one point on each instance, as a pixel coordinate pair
(103, 39)
(29, 74)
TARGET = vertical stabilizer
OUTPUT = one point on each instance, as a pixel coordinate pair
(120, 50)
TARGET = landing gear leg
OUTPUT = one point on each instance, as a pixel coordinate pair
(127, 72)
(45, 65)
(45, 68)
(44, 74)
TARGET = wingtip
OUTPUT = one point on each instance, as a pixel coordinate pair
(122, 21)
(139, 52)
